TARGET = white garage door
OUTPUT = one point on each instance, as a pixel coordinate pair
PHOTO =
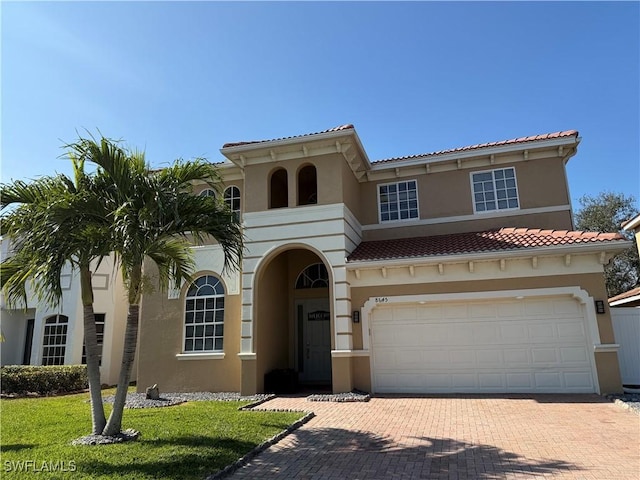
(527, 345)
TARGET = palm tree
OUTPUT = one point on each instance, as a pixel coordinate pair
(155, 217)
(57, 221)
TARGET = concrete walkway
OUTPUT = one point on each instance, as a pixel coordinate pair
(455, 437)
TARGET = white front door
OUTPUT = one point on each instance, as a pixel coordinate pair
(314, 345)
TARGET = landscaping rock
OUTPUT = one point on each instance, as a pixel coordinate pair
(127, 435)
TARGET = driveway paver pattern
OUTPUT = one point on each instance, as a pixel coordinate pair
(455, 437)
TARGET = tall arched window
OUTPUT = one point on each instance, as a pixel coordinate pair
(279, 189)
(307, 186)
(232, 199)
(204, 316)
(314, 276)
(54, 342)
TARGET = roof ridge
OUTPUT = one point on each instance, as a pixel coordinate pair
(345, 126)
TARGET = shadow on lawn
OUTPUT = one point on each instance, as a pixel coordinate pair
(16, 447)
(337, 452)
(203, 455)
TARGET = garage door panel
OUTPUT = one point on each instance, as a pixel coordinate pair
(530, 345)
(574, 355)
(571, 330)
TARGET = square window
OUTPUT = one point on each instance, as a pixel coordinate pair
(489, 186)
(218, 344)
(398, 201)
(208, 344)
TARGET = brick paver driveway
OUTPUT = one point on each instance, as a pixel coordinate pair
(455, 437)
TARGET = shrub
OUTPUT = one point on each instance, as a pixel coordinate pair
(44, 380)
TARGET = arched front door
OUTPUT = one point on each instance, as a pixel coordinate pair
(313, 325)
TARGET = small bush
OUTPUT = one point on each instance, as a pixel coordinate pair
(44, 380)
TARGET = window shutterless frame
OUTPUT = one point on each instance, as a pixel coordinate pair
(398, 201)
(203, 325)
(494, 190)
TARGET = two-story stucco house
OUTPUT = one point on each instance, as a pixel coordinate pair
(452, 271)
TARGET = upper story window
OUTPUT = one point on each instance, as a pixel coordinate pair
(232, 199)
(307, 186)
(495, 190)
(279, 189)
(204, 315)
(314, 276)
(208, 192)
(54, 342)
(398, 201)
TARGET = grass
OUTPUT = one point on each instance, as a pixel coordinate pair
(187, 441)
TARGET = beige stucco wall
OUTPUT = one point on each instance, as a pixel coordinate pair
(607, 369)
(448, 194)
(257, 178)
(160, 339)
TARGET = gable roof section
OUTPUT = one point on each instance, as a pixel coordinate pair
(513, 141)
(503, 240)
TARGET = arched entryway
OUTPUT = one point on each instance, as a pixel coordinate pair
(293, 319)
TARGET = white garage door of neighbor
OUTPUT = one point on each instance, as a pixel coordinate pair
(532, 345)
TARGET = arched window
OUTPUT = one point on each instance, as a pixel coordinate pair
(208, 192)
(232, 199)
(204, 315)
(279, 189)
(307, 186)
(314, 276)
(54, 342)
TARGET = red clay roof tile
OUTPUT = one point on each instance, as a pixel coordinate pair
(476, 242)
(335, 129)
(631, 293)
(532, 138)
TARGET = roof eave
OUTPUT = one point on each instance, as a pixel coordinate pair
(480, 152)
(610, 247)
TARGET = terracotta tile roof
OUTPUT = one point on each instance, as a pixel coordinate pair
(631, 293)
(533, 138)
(476, 242)
(335, 129)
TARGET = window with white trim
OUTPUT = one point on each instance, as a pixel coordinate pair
(204, 315)
(398, 201)
(54, 341)
(232, 199)
(495, 190)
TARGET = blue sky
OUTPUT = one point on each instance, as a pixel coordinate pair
(180, 79)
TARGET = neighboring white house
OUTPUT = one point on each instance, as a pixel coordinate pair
(42, 334)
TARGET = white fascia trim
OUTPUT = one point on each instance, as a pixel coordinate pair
(507, 254)
(606, 347)
(227, 152)
(463, 218)
(200, 356)
(480, 152)
(349, 353)
(632, 224)
(624, 301)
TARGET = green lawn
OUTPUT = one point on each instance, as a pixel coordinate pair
(187, 441)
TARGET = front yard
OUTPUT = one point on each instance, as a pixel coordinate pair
(186, 441)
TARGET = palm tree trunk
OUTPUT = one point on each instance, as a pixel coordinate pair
(98, 419)
(114, 424)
